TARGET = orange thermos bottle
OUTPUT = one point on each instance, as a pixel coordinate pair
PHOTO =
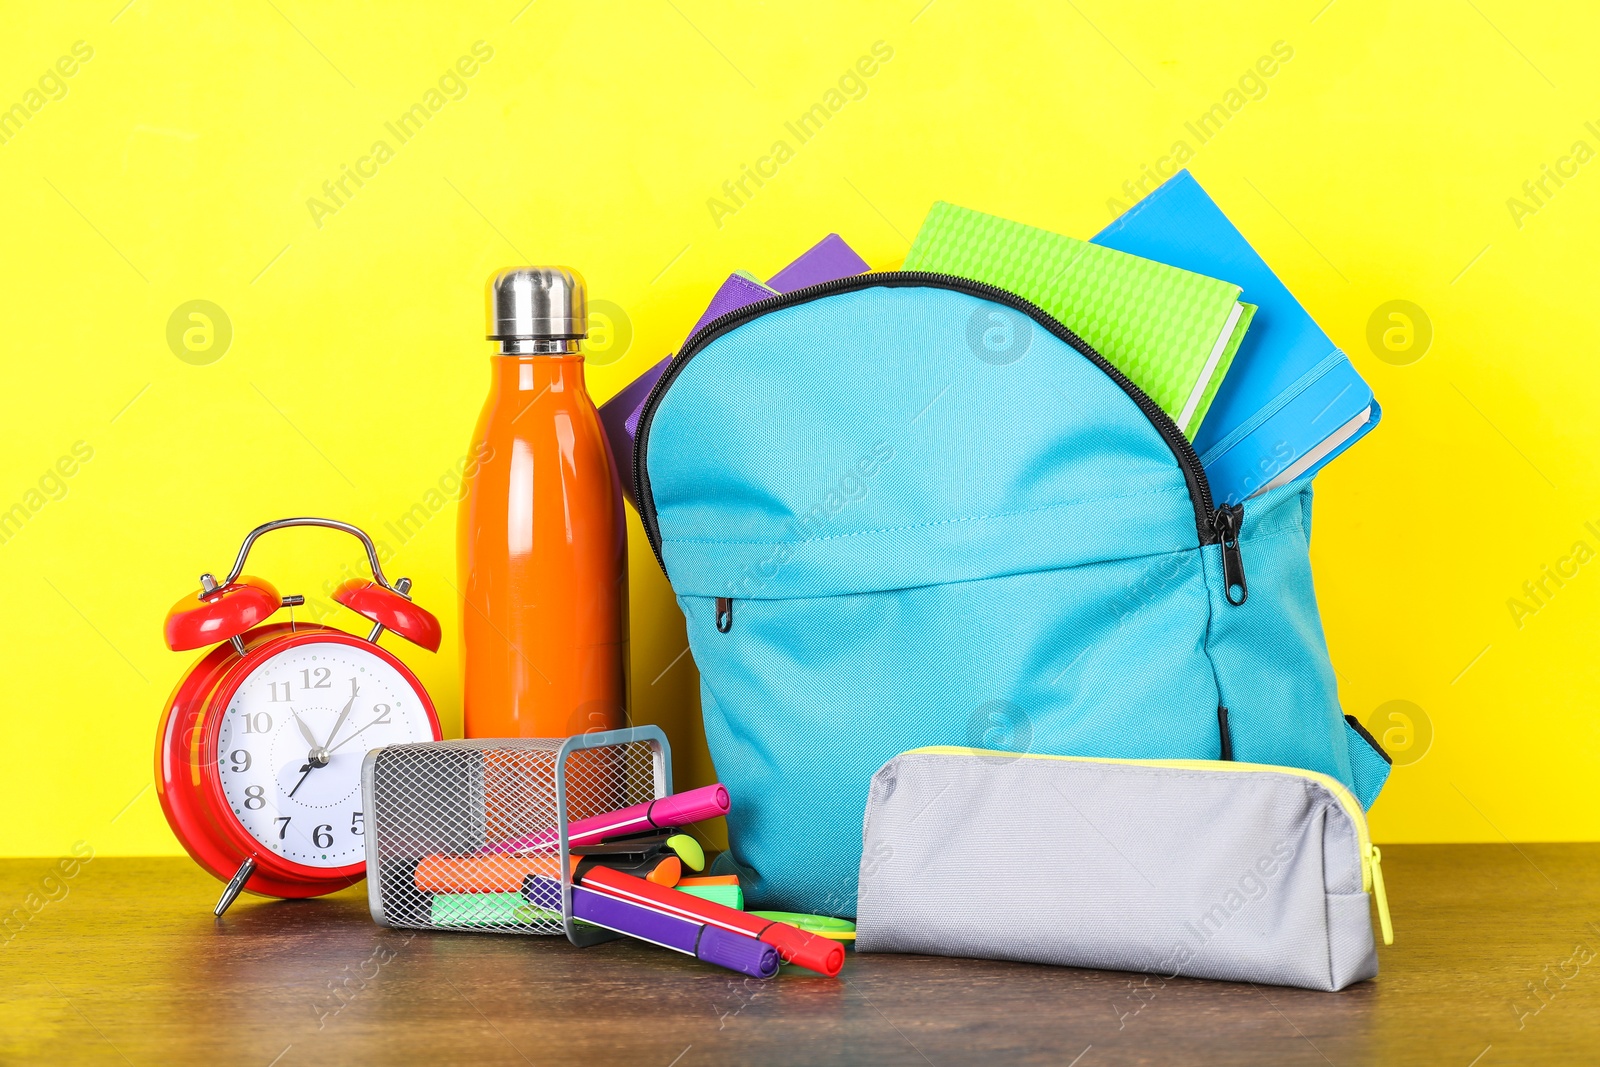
(541, 538)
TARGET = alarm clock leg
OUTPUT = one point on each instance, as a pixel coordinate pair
(235, 885)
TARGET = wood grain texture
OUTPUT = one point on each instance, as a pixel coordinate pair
(127, 966)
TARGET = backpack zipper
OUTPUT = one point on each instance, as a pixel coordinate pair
(1213, 525)
(1229, 521)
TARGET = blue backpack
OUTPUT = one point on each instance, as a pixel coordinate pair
(908, 509)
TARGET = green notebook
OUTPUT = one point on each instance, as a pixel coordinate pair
(1173, 332)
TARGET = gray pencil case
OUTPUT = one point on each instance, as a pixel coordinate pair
(1202, 868)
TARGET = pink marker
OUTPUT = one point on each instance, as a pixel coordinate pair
(707, 802)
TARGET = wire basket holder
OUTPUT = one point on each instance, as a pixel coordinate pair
(460, 834)
(584, 934)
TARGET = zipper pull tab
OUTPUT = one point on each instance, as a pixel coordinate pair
(724, 614)
(1228, 521)
(1382, 897)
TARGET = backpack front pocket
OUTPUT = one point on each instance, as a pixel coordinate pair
(803, 699)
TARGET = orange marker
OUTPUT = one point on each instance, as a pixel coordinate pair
(505, 874)
(541, 543)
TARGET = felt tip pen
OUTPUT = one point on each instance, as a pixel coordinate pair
(505, 874)
(713, 944)
(679, 809)
(793, 944)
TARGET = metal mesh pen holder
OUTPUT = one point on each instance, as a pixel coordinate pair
(472, 835)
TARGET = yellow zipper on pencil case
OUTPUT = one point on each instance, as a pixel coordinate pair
(1371, 858)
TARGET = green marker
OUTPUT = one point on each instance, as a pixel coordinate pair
(487, 909)
(821, 925)
(729, 896)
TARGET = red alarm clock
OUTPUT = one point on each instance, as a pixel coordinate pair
(258, 758)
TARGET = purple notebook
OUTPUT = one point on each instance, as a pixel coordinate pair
(824, 261)
(735, 293)
(620, 417)
(828, 259)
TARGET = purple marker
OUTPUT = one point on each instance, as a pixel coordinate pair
(737, 952)
(679, 809)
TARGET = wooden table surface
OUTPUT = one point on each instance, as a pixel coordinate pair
(126, 966)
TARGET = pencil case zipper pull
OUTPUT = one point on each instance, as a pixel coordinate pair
(1375, 864)
(724, 614)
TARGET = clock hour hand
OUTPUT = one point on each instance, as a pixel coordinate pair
(305, 731)
(318, 756)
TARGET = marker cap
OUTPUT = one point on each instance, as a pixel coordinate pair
(808, 950)
(737, 952)
(679, 809)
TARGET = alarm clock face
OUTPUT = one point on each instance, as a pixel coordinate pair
(291, 742)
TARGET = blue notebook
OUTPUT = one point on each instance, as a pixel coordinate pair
(1291, 401)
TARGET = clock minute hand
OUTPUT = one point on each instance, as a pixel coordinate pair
(337, 723)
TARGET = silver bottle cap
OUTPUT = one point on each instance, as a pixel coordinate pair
(537, 303)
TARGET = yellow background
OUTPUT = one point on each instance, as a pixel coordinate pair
(1376, 167)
